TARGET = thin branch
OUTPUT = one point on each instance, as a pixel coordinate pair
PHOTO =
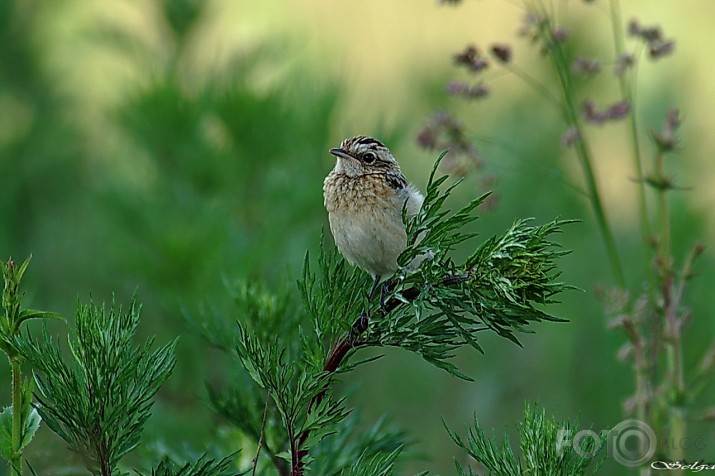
(296, 453)
(260, 436)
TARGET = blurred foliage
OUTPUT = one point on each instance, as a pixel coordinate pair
(207, 179)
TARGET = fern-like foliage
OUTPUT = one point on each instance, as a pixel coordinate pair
(100, 398)
(431, 306)
(502, 286)
(204, 466)
(543, 452)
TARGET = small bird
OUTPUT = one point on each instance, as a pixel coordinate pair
(364, 195)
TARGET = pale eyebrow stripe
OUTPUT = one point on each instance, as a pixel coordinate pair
(369, 141)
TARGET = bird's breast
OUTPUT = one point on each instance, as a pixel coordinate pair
(367, 193)
(366, 221)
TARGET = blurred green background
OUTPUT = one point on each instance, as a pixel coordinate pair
(166, 146)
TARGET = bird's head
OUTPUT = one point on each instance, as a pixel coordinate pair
(362, 155)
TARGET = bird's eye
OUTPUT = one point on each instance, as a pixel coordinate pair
(369, 158)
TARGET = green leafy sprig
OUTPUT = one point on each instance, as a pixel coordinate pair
(18, 422)
(545, 444)
(99, 400)
(204, 466)
(432, 306)
(440, 306)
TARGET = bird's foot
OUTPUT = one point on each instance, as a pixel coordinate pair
(359, 326)
(385, 290)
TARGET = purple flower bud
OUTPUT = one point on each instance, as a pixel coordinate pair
(443, 131)
(667, 139)
(586, 66)
(460, 88)
(529, 26)
(651, 34)
(658, 47)
(634, 28)
(479, 64)
(471, 59)
(426, 138)
(673, 119)
(625, 62)
(560, 35)
(502, 52)
(661, 49)
(467, 56)
(477, 91)
(456, 88)
(618, 111)
(444, 119)
(589, 113)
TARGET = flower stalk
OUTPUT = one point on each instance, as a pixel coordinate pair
(11, 304)
(654, 320)
(22, 420)
(628, 94)
(583, 151)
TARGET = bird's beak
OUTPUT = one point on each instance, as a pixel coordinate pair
(337, 152)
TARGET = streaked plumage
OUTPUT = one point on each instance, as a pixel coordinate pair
(364, 195)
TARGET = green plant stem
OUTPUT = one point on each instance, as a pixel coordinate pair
(675, 372)
(665, 252)
(671, 304)
(16, 460)
(534, 84)
(584, 153)
(642, 389)
(628, 94)
(677, 410)
(640, 370)
(598, 209)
